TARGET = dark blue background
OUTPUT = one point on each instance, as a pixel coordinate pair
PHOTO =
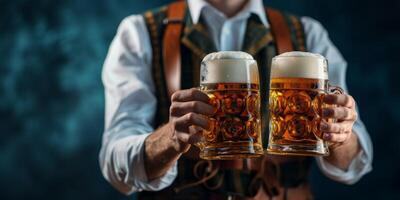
(51, 96)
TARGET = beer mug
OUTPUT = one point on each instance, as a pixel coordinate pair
(299, 81)
(231, 80)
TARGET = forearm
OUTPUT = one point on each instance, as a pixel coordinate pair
(160, 152)
(341, 156)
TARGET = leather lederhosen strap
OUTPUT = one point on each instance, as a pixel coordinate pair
(171, 45)
(280, 31)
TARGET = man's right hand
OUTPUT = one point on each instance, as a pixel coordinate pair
(188, 112)
(166, 144)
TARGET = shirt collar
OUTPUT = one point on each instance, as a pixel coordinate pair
(253, 6)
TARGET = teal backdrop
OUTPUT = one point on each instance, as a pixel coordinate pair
(52, 102)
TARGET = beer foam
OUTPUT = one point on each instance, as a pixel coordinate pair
(229, 67)
(297, 64)
(239, 55)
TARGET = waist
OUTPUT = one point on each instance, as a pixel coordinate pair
(201, 179)
(244, 177)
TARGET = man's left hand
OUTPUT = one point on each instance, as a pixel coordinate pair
(344, 144)
(344, 113)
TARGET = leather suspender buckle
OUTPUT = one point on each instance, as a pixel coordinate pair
(172, 21)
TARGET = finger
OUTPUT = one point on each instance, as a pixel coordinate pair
(194, 129)
(195, 138)
(336, 137)
(340, 113)
(182, 123)
(182, 108)
(339, 127)
(196, 135)
(192, 94)
(189, 138)
(340, 99)
(182, 136)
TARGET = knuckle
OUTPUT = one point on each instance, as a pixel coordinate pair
(174, 124)
(340, 113)
(345, 112)
(335, 112)
(328, 126)
(331, 127)
(192, 92)
(175, 96)
(173, 109)
(190, 117)
(194, 105)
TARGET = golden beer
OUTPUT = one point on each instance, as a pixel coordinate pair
(299, 81)
(231, 81)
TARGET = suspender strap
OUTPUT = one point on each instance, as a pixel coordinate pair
(280, 30)
(171, 45)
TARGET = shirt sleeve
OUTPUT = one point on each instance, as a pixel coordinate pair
(130, 109)
(317, 41)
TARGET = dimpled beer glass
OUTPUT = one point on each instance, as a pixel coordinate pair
(299, 80)
(231, 80)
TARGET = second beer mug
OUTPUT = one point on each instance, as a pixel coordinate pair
(231, 81)
(299, 81)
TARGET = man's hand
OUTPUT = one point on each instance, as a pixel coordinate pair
(345, 115)
(187, 111)
(165, 145)
(344, 144)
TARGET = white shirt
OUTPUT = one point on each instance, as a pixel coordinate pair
(131, 102)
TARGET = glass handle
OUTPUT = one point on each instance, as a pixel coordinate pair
(335, 90)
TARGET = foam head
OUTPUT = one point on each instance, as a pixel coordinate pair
(229, 67)
(298, 64)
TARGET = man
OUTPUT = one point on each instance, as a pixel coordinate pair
(147, 136)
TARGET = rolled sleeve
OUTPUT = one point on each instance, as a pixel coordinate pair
(317, 41)
(125, 168)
